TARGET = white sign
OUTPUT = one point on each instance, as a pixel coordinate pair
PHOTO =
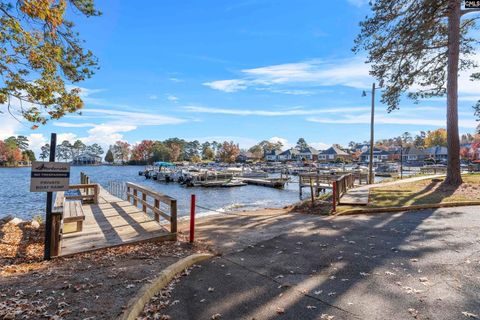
(49, 176)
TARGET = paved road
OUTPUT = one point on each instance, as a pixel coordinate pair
(417, 265)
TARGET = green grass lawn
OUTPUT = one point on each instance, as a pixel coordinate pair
(427, 191)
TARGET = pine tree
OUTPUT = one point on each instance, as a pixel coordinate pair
(109, 156)
(418, 47)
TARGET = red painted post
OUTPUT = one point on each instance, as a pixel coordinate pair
(334, 196)
(192, 219)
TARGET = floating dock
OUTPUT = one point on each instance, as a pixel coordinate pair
(278, 183)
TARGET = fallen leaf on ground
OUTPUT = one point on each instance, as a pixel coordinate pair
(470, 315)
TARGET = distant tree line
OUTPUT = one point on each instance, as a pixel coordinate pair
(172, 150)
(15, 150)
(67, 151)
(422, 140)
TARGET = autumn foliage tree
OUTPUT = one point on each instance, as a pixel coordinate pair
(229, 152)
(40, 55)
(436, 138)
(143, 151)
(121, 151)
(418, 47)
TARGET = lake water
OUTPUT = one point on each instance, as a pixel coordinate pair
(17, 200)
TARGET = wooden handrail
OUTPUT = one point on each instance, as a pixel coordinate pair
(343, 184)
(133, 191)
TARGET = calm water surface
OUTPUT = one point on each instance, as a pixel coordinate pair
(17, 200)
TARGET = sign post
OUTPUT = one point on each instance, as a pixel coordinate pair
(49, 177)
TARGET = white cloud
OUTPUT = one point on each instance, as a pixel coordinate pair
(8, 126)
(285, 143)
(72, 125)
(228, 85)
(36, 141)
(66, 136)
(134, 118)
(345, 72)
(381, 119)
(295, 92)
(175, 80)
(153, 97)
(320, 145)
(172, 98)
(105, 134)
(268, 113)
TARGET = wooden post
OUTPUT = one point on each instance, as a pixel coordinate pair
(156, 204)
(173, 216)
(144, 200)
(96, 192)
(135, 197)
(55, 238)
(312, 195)
(192, 218)
(300, 185)
(48, 221)
(128, 193)
(334, 196)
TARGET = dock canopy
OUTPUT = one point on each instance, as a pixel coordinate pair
(164, 164)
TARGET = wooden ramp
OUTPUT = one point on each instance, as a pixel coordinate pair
(112, 222)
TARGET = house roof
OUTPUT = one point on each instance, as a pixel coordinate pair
(436, 150)
(413, 151)
(309, 150)
(291, 151)
(335, 150)
(376, 152)
(273, 152)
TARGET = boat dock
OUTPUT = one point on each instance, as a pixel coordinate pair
(96, 219)
(278, 183)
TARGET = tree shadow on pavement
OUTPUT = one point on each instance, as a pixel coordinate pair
(388, 266)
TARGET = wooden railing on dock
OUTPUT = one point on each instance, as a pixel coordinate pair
(316, 182)
(341, 186)
(88, 192)
(133, 191)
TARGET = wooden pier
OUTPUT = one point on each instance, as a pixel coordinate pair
(277, 183)
(319, 183)
(109, 221)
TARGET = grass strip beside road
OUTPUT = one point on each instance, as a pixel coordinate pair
(420, 193)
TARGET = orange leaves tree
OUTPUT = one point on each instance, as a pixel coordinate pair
(143, 151)
(228, 152)
(40, 56)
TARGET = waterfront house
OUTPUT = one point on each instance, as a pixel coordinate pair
(379, 155)
(289, 155)
(333, 154)
(437, 153)
(308, 154)
(272, 155)
(413, 155)
(87, 158)
(245, 156)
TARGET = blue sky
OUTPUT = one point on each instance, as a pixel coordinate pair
(243, 70)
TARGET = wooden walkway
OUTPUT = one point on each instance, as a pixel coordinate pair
(112, 222)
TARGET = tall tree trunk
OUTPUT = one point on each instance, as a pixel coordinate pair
(454, 176)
